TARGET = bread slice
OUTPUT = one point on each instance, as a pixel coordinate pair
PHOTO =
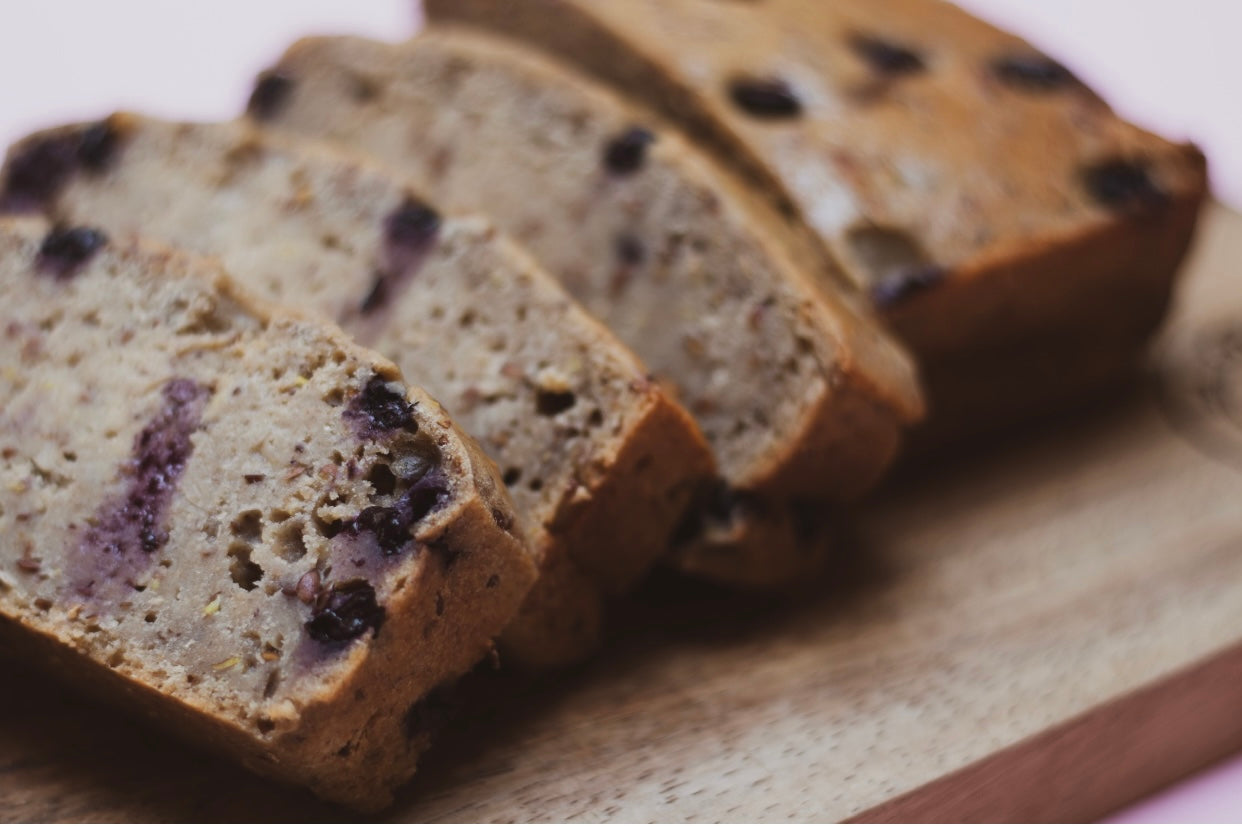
(800, 395)
(239, 523)
(600, 461)
(990, 203)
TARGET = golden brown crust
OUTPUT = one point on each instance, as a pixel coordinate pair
(614, 525)
(856, 436)
(1021, 251)
(561, 621)
(1076, 277)
(635, 508)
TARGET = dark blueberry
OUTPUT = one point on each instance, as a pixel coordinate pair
(886, 57)
(150, 539)
(39, 168)
(345, 611)
(627, 152)
(390, 527)
(377, 297)
(896, 287)
(413, 225)
(1124, 185)
(410, 230)
(630, 251)
(765, 97)
(37, 171)
(426, 495)
(65, 249)
(1033, 73)
(381, 406)
(271, 91)
(427, 490)
(97, 145)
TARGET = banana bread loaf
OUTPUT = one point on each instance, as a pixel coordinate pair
(600, 461)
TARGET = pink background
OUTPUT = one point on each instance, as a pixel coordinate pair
(1171, 65)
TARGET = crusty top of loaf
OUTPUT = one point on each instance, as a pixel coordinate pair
(906, 115)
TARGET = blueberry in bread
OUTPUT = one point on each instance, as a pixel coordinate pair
(991, 204)
(239, 523)
(601, 461)
(801, 396)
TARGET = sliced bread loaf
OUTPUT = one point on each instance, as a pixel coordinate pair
(240, 524)
(600, 461)
(800, 395)
(990, 203)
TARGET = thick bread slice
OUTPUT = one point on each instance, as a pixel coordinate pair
(239, 523)
(986, 198)
(800, 395)
(600, 461)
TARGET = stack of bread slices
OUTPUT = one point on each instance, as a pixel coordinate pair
(443, 345)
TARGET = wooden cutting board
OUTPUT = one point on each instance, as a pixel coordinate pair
(1043, 631)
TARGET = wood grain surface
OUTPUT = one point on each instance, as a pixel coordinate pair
(1043, 630)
